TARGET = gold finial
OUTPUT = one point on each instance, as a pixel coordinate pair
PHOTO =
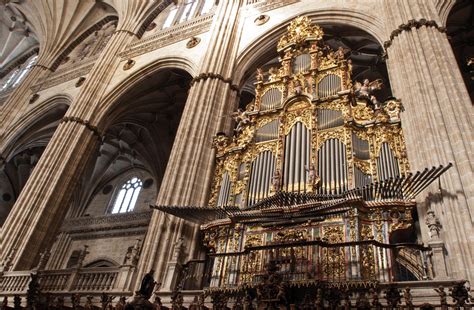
(299, 31)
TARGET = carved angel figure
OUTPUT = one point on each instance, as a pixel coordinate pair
(242, 119)
(313, 177)
(259, 75)
(276, 180)
(433, 223)
(340, 53)
(273, 74)
(366, 90)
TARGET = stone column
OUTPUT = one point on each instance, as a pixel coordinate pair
(190, 167)
(438, 121)
(42, 205)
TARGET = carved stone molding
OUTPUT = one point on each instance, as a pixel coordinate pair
(62, 76)
(409, 26)
(265, 6)
(126, 31)
(169, 36)
(205, 76)
(132, 223)
(85, 123)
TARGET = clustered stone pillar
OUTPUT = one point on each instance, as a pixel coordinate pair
(42, 204)
(190, 167)
(438, 123)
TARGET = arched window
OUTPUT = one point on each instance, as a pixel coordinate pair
(9, 80)
(170, 18)
(208, 4)
(186, 10)
(24, 71)
(189, 8)
(127, 196)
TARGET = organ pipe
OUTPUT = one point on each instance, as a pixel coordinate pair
(224, 193)
(330, 85)
(387, 163)
(262, 171)
(271, 99)
(267, 132)
(296, 159)
(332, 167)
(302, 63)
(329, 119)
(360, 147)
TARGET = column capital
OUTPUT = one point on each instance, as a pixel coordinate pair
(409, 26)
(205, 76)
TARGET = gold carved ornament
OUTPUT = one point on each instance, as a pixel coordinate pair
(300, 30)
(333, 259)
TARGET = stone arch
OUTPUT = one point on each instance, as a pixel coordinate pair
(444, 8)
(111, 99)
(24, 146)
(116, 118)
(255, 51)
(101, 262)
(459, 23)
(22, 125)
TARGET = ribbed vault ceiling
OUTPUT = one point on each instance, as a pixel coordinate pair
(141, 132)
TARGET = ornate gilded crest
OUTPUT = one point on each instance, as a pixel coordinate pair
(299, 31)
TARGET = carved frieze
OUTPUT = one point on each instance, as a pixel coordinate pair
(169, 36)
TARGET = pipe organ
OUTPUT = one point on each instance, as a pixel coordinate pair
(307, 132)
(313, 182)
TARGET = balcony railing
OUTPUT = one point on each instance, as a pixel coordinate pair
(80, 280)
(317, 261)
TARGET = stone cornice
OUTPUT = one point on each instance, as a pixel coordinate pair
(116, 224)
(64, 75)
(409, 26)
(169, 36)
(82, 122)
(265, 6)
(121, 232)
(205, 76)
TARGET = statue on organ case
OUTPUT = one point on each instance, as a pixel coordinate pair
(366, 91)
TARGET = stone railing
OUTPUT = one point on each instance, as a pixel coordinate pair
(96, 280)
(14, 282)
(80, 280)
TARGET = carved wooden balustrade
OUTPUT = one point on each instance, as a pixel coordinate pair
(303, 263)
